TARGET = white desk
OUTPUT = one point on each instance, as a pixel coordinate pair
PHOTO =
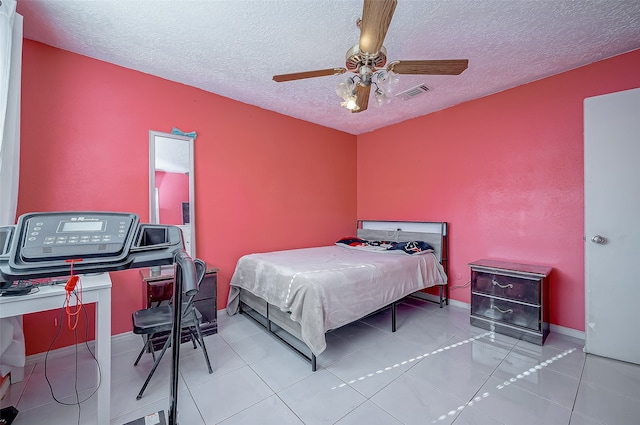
(95, 289)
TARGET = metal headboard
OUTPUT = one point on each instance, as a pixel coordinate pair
(435, 233)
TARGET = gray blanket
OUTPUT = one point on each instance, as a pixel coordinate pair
(327, 287)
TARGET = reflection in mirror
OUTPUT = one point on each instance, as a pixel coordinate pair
(171, 190)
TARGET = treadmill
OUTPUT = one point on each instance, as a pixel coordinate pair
(47, 244)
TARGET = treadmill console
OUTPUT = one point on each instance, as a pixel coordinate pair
(69, 236)
(43, 244)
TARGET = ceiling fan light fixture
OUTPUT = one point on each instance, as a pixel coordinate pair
(381, 97)
(345, 88)
(367, 60)
(387, 81)
(350, 104)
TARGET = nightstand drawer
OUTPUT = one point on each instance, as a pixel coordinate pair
(505, 286)
(496, 309)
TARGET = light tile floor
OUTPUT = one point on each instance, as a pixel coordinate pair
(436, 369)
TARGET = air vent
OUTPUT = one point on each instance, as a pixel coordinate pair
(413, 92)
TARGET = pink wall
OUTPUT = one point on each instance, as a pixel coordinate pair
(263, 181)
(506, 171)
(173, 190)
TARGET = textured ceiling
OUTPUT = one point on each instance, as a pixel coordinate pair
(234, 47)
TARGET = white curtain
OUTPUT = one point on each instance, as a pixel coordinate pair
(10, 71)
(11, 338)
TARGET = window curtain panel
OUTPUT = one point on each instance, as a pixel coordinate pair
(12, 354)
(10, 73)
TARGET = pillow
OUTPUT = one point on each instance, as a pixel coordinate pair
(411, 247)
(352, 241)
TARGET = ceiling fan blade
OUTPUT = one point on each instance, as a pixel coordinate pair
(362, 97)
(432, 67)
(376, 17)
(308, 74)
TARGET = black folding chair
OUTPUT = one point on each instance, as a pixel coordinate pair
(150, 321)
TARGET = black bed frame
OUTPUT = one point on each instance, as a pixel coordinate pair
(288, 337)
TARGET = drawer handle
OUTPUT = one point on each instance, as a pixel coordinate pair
(496, 283)
(502, 311)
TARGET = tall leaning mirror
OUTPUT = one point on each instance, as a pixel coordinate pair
(171, 189)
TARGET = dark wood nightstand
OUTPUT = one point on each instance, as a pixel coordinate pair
(511, 298)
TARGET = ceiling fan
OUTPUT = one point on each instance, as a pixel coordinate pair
(368, 58)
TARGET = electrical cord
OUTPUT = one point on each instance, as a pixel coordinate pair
(75, 332)
(464, 285)
(19, 288)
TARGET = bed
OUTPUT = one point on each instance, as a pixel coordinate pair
(304, 293)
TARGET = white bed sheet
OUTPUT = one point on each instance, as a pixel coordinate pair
(327, 287)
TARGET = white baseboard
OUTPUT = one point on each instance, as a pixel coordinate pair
(130, 335)
(460, 304)
(58, 352)
(436, 298)
(553, 328)
(567, 331)
(70, 349)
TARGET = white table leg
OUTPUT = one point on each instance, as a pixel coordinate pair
(103, 354)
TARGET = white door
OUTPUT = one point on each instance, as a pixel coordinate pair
(612, 225)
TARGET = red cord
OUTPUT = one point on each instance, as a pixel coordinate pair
(73, 286)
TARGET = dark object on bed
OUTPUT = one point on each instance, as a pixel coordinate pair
(408, 247)
(305, 293)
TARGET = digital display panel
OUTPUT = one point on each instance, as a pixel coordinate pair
(82, 226)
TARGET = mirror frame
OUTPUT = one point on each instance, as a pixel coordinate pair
(153, 218)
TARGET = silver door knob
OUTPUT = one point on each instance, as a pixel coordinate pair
(598, 239)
